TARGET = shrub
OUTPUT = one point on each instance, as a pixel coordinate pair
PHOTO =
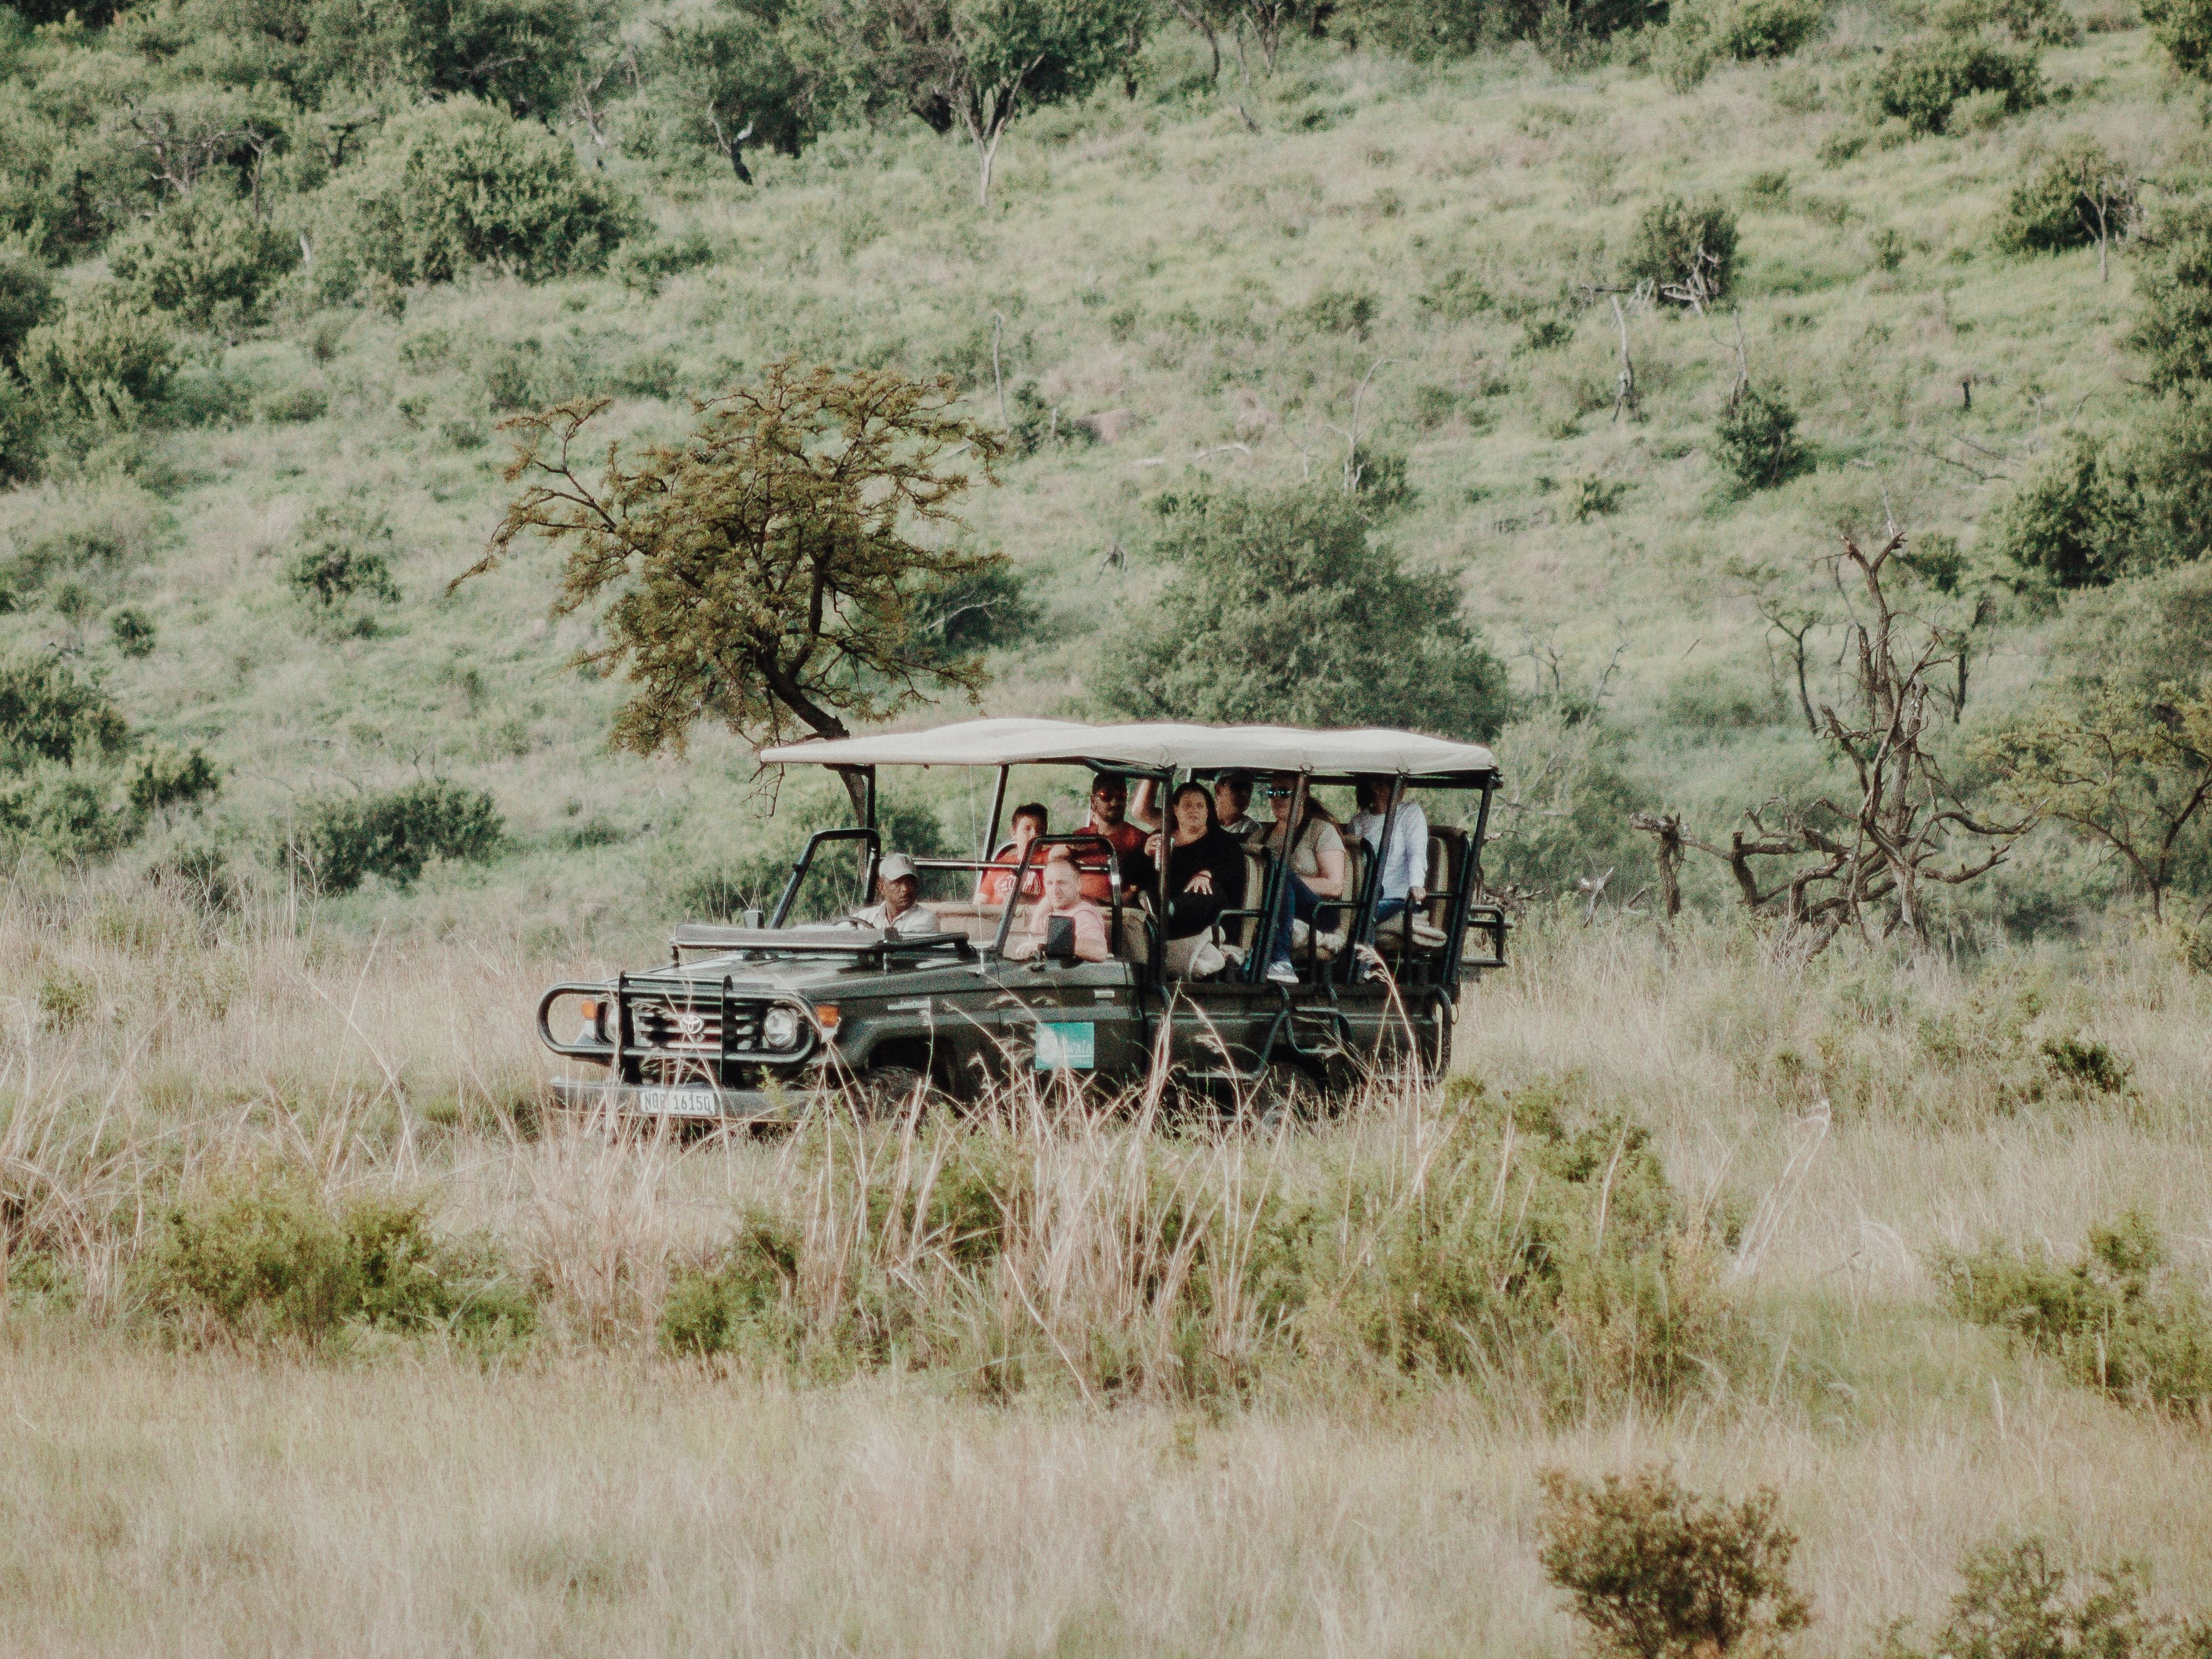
(1687, 249)
(105, 360)
(342, 567)
(50, 713)
(1922, 79)
(166, 777)
(2117, 1320)
(991, 607)
(26, 299)
(646, 264)
(1287, 606)
(268, 1256)
(1756, 441)
(741, 1301)
(338, 841)
(133, 632)
(2075, 522)
(1660, 1572)
(2079, 196)
(1743, 31)
(1341, 311)
(2183, 28)
(2018, 1603)
(1588, 496)
(447, 187)
(207, 256)
(296, 405)
(2045, 22)
(2174, 288)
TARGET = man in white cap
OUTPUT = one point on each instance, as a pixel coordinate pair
(898, 889)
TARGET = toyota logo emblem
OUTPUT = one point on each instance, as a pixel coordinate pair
(691, 1024)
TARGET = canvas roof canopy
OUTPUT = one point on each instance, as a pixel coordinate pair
(1148, 746)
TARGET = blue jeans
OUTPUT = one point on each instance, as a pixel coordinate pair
(1302, 901)
(1386, 910)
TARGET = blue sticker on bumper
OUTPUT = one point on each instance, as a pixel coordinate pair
(1072, 1046)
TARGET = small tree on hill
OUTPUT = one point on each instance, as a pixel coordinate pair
(1285, 608)
(763, 571)
(743, 73)
(2127, 771)
(2174, 284)
(2078, 196)
(1686, 250)
(2183, 28)
(980, 62)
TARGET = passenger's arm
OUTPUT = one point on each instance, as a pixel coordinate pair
(1090, 937)
(1330, 883)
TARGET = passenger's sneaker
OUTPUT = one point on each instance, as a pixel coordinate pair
(1281, 973)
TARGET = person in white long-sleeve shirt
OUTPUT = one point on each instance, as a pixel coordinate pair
(1406, 861)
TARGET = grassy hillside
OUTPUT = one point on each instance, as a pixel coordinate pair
(1402, 246)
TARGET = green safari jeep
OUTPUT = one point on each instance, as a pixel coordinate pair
(747, 1023)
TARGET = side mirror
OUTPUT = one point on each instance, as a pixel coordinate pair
(1059, 938)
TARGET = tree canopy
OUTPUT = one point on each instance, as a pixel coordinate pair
(765, 571)
(1285, 605)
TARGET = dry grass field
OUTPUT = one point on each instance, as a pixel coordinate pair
(176, 1488)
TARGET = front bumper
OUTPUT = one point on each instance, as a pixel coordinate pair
(695, 1101)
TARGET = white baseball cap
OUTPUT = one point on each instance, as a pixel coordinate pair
(895, 865)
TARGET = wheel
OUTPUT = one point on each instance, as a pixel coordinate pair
(887, 1093)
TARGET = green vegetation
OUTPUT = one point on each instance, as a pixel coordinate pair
(337, 840)
(1312, 620)
(2119, 1320)
(263, 1254)
(1660, 1572)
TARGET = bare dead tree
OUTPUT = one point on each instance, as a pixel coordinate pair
(1864, 862)
(1623, 389)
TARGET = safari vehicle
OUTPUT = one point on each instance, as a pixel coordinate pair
(746, 1023)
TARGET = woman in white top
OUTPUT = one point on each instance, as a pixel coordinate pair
(1317, 868)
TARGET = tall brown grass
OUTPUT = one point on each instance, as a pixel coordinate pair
(1186, 1459)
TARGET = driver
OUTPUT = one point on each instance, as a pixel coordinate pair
(898, 889)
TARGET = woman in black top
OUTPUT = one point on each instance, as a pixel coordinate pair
(1205, 864)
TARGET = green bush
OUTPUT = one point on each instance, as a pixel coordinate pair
(341, 569)
(1660, 1572)
(1756, 441)
(2017, 1602)
(2117, 1320)
(1922, 79)
(166, 777)
(105, 360)
(49, 712)
(1341, 311)
(743, 1301)
(1698, 35)
(2173, 288)
(2078, 196)
(338, 841)
(26, 299)
(447, 187)
(268, 1256)
(2075, 522)
(1687, 249)
(1284, 605)
(133, 632)
(207, 258)
(2183, 28)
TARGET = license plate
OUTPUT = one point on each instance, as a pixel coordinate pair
(1071, 1045)
(678, 1102)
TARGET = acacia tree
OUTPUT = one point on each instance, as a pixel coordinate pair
(743, 73)
(763, 572)
(2128, 770)
(981, 63)
(1866, 860)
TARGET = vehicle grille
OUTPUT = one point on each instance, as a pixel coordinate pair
(675, 1025)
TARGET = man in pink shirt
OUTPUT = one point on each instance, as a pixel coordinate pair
(1063, 896)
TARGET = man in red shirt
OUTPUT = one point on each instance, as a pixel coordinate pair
(1109, 807)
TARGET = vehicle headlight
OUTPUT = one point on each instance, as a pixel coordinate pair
(779, 1028)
